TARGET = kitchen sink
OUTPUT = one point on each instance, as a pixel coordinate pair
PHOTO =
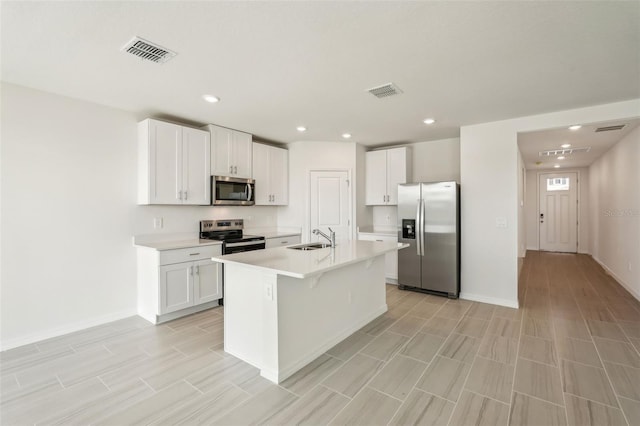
(310, 246)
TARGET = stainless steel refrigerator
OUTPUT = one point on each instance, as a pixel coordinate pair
(429, 221)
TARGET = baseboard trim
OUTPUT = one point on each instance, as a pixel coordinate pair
(65, 329)
(620, 281)
(490, 300)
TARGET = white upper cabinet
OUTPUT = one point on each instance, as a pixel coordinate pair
(231, 152)
(271, 173)
(173, 164)
(242, 154)
(385, 169)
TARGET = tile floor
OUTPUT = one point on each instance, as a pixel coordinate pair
(570, 355)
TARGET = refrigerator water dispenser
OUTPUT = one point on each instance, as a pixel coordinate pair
(409, 229)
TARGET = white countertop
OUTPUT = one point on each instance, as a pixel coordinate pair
(184, 240)
(305, 263)
(172, 245)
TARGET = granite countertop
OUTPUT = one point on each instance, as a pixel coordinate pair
(305, 263)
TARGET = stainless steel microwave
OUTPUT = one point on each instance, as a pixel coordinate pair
(230, 191)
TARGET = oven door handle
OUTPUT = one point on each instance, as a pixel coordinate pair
(244, 243)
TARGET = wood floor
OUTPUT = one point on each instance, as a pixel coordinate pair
(570, 355)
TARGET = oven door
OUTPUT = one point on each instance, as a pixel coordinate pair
(228, 191)
(242, 246)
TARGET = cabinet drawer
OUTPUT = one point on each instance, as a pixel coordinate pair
(377, 237)
(168, 257)
(282, 241)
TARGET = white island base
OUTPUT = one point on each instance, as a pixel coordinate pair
(279, 323)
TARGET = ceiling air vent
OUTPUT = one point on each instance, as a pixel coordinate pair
(148, 51)
(567, 151)
(610, 128)
(385, 90)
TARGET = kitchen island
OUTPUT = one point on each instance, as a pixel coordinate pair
(285, 307)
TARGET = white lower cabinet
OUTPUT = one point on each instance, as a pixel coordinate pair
(282, 241)
(391, 259)
(177, 282)
(176, 287)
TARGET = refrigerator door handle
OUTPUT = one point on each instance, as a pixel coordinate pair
(417, 230)
(422, 230)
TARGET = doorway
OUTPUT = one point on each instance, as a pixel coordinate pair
(330, 203)
(558, 212)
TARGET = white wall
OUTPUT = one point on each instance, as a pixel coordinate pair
(364, 215)
(432, 161)
(532, 200)
(68, 215)
(307, 156)
(68, 186)
(615, 211)
(488, 173)
(522, 214)
(436, 161)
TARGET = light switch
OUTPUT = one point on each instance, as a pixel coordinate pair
(268, 287)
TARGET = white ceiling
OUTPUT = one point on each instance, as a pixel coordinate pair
(277, 65)
(532, 143)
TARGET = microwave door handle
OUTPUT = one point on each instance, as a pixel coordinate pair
(250, 191)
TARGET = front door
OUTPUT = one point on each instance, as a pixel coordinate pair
(558, 212)
(330, 204)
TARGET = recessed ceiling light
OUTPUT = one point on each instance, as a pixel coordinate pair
(575, 127)
(301, 129)
(346, 135)
(211, 98)
(561, 157)
(565, 145)
(428, 121)
(556, 166)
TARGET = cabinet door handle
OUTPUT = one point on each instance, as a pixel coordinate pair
(284, 242)
(380, 241)
(191, 270)
(185, 195)
(197, 270)
(193, 254)
(235, 170)
(179, 195)
(231, 169)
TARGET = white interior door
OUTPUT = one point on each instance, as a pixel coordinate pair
(330, 204)
(558, 212)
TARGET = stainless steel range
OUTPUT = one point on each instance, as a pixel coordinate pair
(230, 232)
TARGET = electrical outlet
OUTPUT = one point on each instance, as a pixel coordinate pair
(501, 222)
(157, 223)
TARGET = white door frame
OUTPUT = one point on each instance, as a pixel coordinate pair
(578, 204)
(306, 226)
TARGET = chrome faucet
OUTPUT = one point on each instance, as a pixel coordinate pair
(331, 237)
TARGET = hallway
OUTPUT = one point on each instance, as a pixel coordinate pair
(580, 341)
